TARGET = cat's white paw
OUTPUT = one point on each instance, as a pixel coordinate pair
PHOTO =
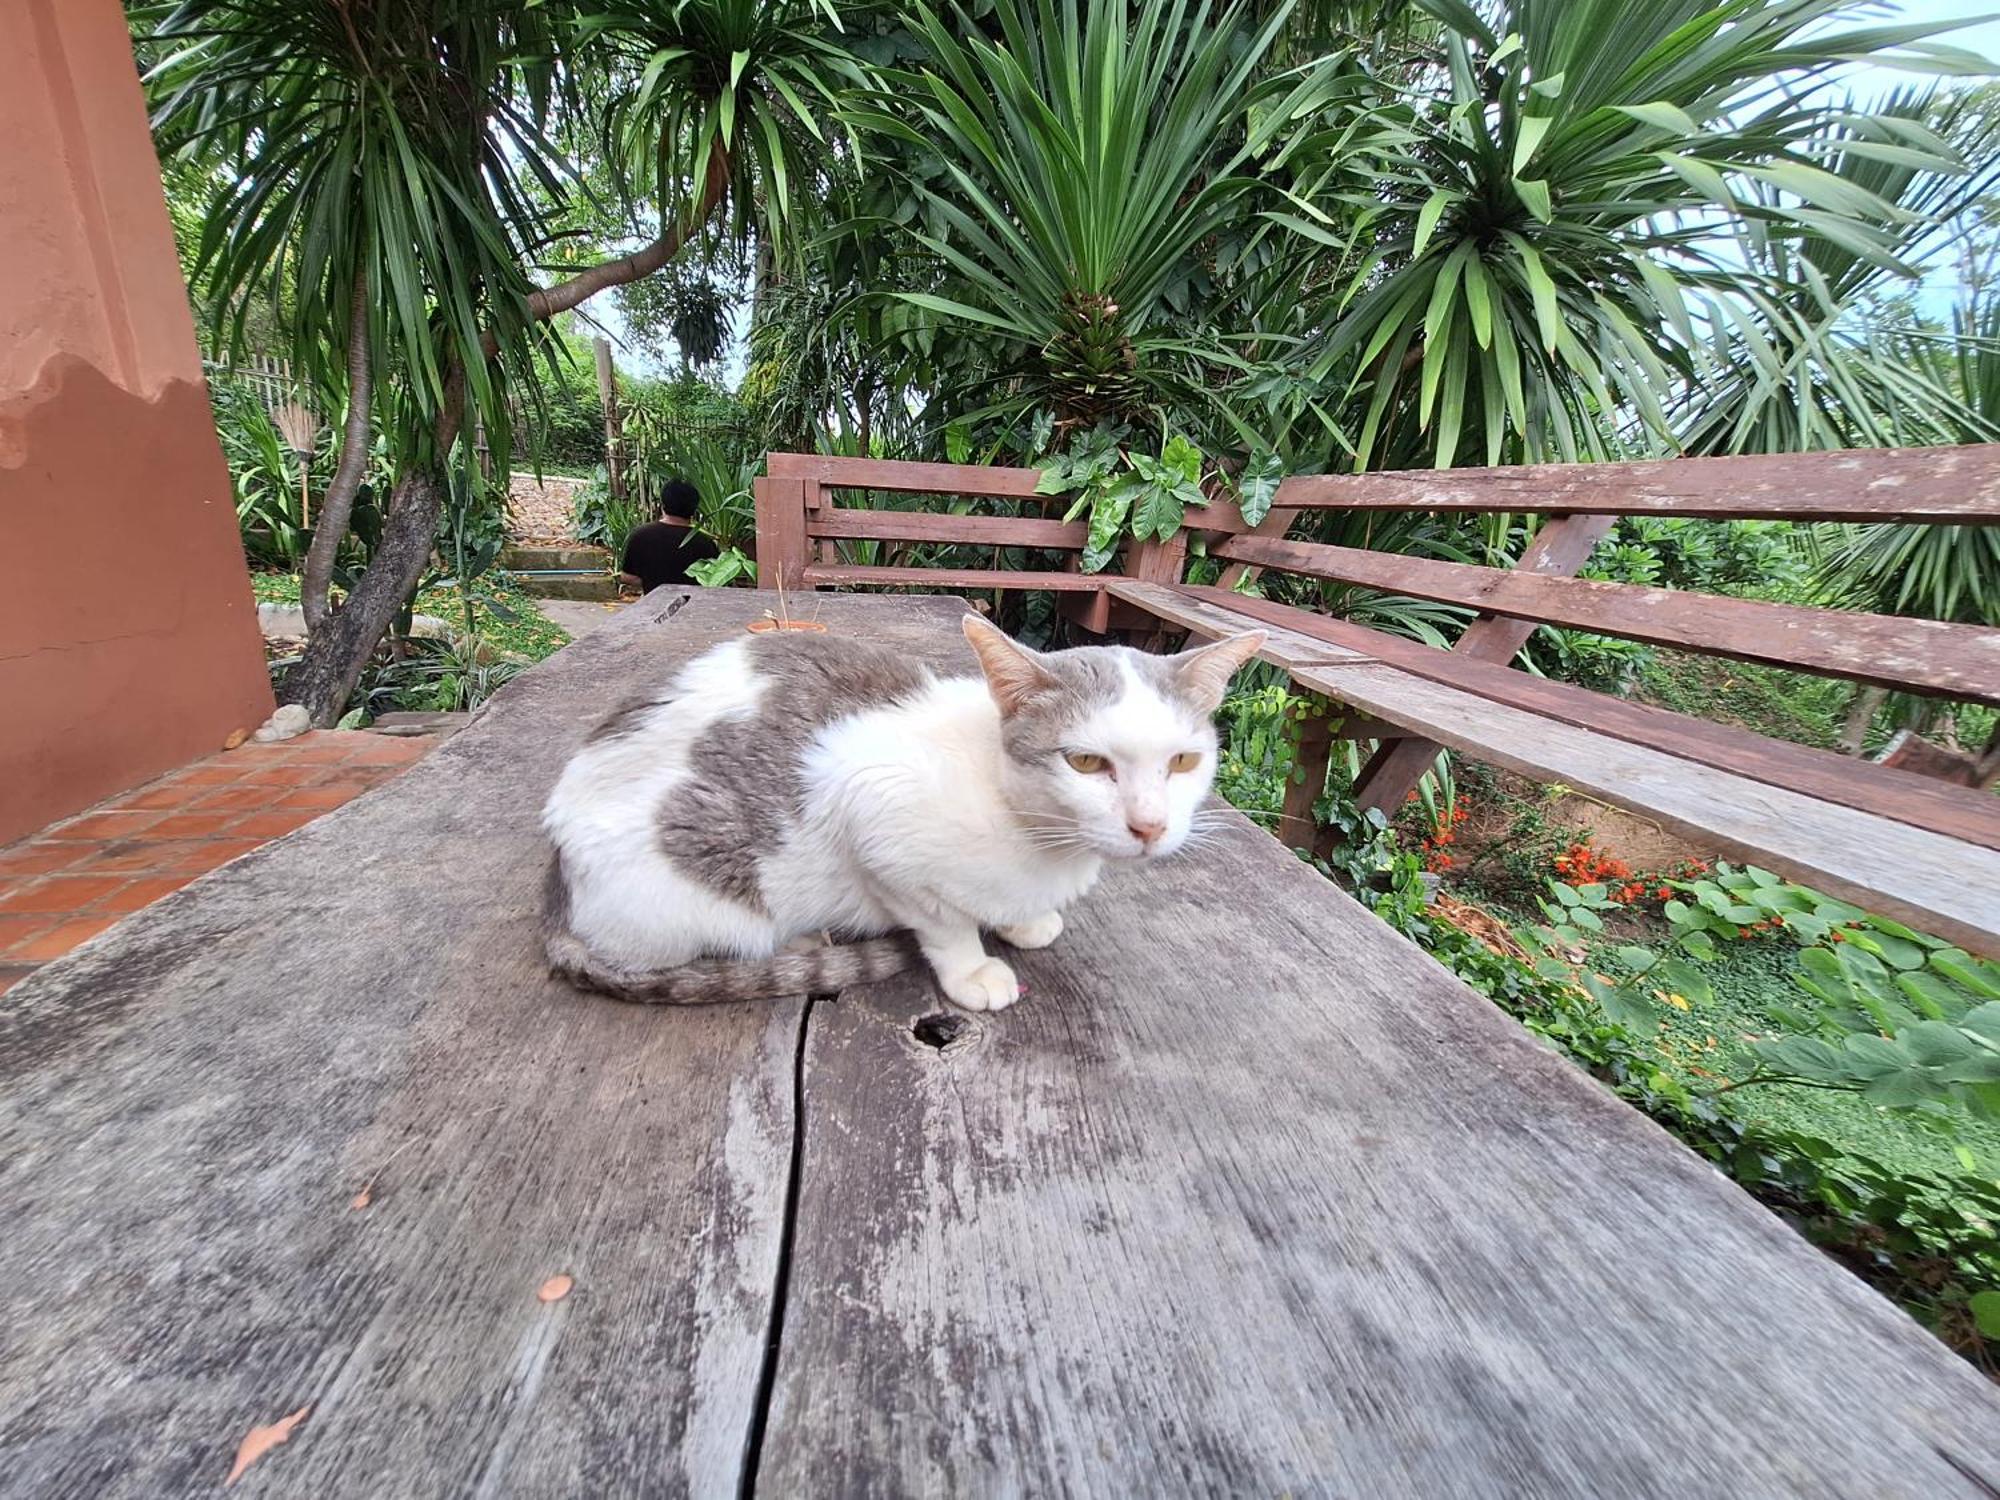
(1036, 934)
(990, 986)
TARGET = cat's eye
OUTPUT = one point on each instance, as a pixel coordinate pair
(1187, 760)
(1089, 765)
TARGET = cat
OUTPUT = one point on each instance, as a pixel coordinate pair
(790, 785)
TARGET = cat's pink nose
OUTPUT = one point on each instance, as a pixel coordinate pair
(1144, 832)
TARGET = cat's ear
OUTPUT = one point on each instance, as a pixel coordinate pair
(1013, 673)
(1203, 674)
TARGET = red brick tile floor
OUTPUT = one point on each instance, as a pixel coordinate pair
(74, 879)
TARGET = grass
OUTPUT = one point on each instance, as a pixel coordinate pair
(505, 618)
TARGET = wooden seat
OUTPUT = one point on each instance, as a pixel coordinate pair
(1248, 1196)
(1926, 852)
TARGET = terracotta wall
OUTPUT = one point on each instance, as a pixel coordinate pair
(128, 637)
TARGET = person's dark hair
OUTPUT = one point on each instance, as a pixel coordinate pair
(680, 499)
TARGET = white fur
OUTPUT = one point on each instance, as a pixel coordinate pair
(914, 817)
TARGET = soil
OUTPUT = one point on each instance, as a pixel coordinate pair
(1632, 837)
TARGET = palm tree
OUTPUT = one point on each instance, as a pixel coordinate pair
(395, 167)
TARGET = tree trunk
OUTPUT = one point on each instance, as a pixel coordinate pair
(1860, 714)
(337, 652)
(342, 643)
(338, 505)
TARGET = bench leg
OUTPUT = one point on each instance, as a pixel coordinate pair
(1297, 828)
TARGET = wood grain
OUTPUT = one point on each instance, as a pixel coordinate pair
(1934, 883)
(1248, 1197)
(933, 526)
(190, 1103)
(836, 472)
(819, 575)
(781, 531)
(1923, 801)
(1921, 656)
(1947, 485)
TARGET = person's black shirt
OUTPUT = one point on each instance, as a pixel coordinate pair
(659, 552)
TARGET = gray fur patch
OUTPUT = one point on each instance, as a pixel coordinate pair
(555, 899)
(745, 781)
(626, 720)
(1087, 679)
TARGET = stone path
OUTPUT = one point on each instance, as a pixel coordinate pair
(540, 510)
(72, 880)
(579, 617)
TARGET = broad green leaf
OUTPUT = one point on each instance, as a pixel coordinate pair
(1638, 959)
(1183, 458)
(1261, 477)
(1985, 1310)
(1932, 996)
(1967, 972)
(1535, 194)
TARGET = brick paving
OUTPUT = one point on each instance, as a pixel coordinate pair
(72, 880)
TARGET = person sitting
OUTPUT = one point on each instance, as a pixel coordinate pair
(659, 552)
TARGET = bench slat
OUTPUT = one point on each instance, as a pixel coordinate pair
(1931, 882)
(1947, 485)
(1924, 656)
(930, 526)
(1248, 1197)
(835, 471)
(953, 578)
(1923, 801)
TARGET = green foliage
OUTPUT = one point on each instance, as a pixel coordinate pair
(1090, 153)
(1903, 1019)
(600, 518)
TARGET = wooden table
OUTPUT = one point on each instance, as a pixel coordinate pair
(1248, 1197)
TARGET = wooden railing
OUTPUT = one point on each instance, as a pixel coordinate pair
(801, 525)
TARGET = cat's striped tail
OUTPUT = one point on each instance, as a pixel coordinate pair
(817, 971)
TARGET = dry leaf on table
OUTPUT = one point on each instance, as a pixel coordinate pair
(556, 1288)
(261, 1441)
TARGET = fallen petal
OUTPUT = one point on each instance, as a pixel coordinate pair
(261, 1441)
(556, 1288)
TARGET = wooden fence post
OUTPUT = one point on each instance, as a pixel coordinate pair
(1559, 548)
(781, 532)
(614, 426)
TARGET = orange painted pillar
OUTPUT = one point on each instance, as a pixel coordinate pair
(128, 636)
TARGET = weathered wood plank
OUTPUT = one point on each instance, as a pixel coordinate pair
(1921, 656)
(1250, 1198)
(819, 575)
(1559, 548)
(936, 526)
(1931, 882)
(781, 531)
(1948, 485)
(189, 1103)
(1923, 801)
(837, 472)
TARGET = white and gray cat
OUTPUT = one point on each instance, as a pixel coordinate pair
(785, 786)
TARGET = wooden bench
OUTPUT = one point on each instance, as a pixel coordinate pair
(1919, 848)
(1247, 1197)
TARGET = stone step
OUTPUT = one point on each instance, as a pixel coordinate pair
(599, 587)
(517, 558)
